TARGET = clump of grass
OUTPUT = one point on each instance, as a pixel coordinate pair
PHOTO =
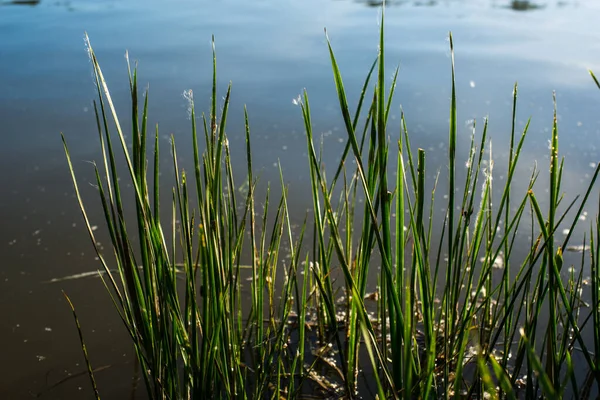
(193, 339)
(464, 319)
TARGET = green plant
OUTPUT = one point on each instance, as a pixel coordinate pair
(448, 317)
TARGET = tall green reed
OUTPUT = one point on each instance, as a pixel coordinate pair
(420, 345)
(193, 336)
(469, 317)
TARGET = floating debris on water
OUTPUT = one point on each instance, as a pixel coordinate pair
(374, 296)
(99, 273)
(498, 262)
(578, 248)
(94, 274)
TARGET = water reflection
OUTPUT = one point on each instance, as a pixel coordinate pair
(517, 5)
(30, 3)
(524, 5)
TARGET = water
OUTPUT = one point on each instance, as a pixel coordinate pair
(270, 50)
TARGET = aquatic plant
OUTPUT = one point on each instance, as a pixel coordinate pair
(466, 318)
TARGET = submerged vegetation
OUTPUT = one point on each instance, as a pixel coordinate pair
(466, 318)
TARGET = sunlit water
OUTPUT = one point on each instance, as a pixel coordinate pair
(270, 50)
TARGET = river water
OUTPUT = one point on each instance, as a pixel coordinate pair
(270, 50)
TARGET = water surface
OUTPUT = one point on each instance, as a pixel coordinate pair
(270, 50)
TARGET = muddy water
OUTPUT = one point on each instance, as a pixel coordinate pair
(270, 50)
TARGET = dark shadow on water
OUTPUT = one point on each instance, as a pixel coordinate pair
(30, 3)
(66, 4)
(524, 5)
(516, 5)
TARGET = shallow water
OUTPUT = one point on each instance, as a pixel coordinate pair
(270, 50)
